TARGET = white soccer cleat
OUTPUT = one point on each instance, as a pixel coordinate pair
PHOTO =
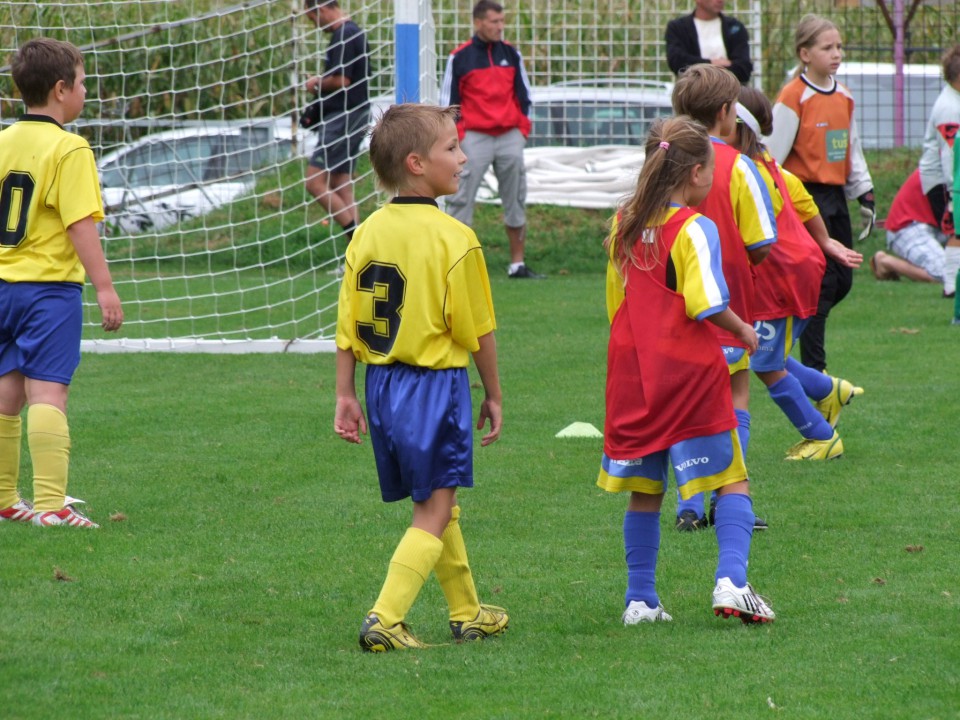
(639, 612)
(740, 602)
(21, 511)
(69, 516)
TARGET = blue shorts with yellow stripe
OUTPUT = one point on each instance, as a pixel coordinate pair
(736, 357)
(775, 340)
(700, 464)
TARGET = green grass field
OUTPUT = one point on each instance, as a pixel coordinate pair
(242, 542)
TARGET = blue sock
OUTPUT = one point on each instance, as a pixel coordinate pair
(788, 394)
(816, 385)
(695, 503)
(743, 429)
(734, 524)
(641, 539)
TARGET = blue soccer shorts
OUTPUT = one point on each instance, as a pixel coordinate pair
(40, 328)
(736, 357)
(421, 429)
(700, 464)
(776, 339)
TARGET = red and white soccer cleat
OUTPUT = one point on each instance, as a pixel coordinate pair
(21, 511)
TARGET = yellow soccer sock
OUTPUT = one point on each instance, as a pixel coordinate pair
(453, 572)
(48, 437)
(10, 430)
(410, 567)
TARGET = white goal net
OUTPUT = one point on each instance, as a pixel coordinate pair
(213, 241)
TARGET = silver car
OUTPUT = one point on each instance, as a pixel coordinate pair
(584, 113)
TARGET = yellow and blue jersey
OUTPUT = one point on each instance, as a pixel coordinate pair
(803, 202)
(49, 182)
(697, 266)
(753, 214)
(415, 289)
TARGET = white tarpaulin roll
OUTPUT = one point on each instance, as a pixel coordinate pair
(590, 177)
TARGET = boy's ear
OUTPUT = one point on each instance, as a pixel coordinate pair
(414, 164)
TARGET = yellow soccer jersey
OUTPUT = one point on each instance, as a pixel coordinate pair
(415, 289)
(751, 212)
(803, 202)
(49, 181)
(698, 265)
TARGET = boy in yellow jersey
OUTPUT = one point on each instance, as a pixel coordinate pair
(49, 206)
(415, 303)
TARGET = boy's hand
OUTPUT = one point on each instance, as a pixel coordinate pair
(749, 336)
(490, 409)
(348, 420)
(111, 313)
(842, 254)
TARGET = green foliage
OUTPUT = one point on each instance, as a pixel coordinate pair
(170, 67)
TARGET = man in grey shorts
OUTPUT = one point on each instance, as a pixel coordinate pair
(486, 78)
(344, 112)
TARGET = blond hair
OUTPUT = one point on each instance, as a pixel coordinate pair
(805, 37)
(402, 130)
(702, 90)
(674, 147)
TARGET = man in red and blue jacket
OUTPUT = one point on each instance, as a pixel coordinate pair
(486, 78)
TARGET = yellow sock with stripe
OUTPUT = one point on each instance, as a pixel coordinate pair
(410, 566)
(453, 572)
(10, 432)
(48, 437)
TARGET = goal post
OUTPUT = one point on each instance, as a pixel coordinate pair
(213, 241)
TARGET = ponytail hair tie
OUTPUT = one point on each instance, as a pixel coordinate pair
(664, 145)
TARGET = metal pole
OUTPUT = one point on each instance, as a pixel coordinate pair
(898, 71)
(407, 50)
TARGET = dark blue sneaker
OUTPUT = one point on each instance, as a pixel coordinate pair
(525, 273)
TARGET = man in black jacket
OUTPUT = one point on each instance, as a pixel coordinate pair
(708, 36)
(343, 110)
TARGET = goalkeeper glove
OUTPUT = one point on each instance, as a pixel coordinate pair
(868, 213)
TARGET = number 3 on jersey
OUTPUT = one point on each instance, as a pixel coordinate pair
(389, 287)
(15, 194)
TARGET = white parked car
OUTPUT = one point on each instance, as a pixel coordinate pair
(598, 111)
(167, 177)
(872, 85)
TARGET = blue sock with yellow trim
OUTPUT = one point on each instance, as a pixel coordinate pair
(816, 385)
(734, 525)
(789, 396)
(641, 540)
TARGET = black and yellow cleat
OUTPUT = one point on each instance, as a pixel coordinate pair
(842, 393)
(374, 637)
(490, 620)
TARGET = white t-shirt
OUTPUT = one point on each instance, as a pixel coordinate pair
(711, 38)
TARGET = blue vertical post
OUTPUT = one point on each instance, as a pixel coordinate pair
(407, 50)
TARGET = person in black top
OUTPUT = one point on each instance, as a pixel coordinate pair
(343, 107)
(709, 36)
